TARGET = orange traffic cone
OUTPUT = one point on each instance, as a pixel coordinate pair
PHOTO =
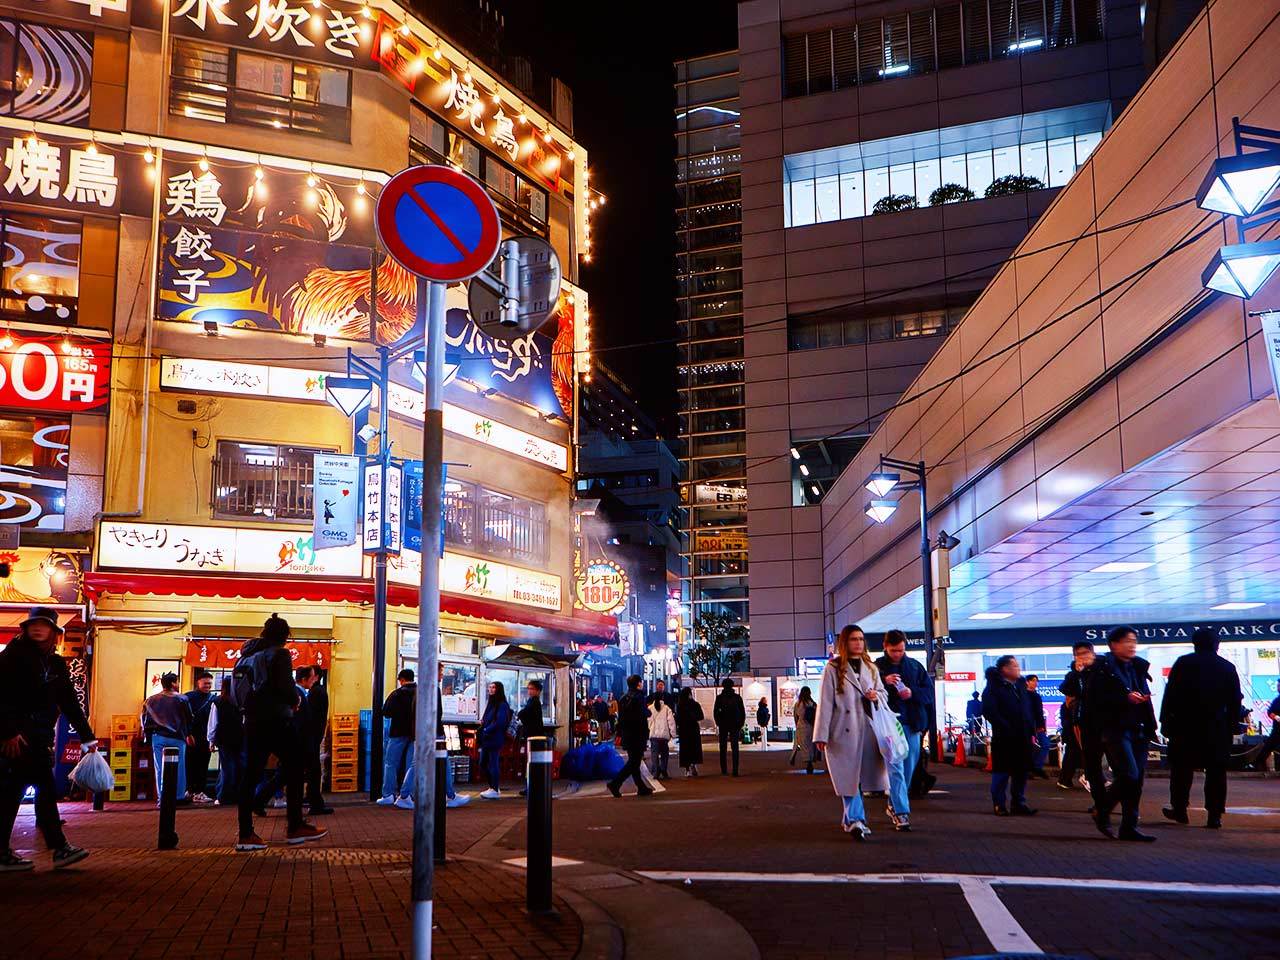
(960, 760)
(988, 767)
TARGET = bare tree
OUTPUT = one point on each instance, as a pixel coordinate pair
(718, 648)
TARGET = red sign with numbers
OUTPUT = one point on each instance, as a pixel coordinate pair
(54, 372)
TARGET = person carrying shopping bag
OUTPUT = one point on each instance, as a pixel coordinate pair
(851, 689)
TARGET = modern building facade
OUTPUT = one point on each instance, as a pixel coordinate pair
(893, 156)
(710, 375)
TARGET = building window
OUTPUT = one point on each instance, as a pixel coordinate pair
(819, 464)
(45, 72)
(837, 328)
(225, 85)
(847, 182)
(41, 269)
(263, 481)
(493, 523)
(34, 461)
(935, 38)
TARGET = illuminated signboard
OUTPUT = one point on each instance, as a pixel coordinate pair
(288, 383)
(59, 173)
(486, 579)
(192, 549)
(728, 541)
(601, 586)
(45, 372)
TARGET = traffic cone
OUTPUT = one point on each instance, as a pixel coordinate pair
(988, 767)
(960, 760)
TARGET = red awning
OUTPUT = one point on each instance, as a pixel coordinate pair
(317, 589)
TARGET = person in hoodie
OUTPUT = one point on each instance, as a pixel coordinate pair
(1117, 703)
(662, 730)
(1008, 708)
(401, 709)
(225, 734)
(200, 699)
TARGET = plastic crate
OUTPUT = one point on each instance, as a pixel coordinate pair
(124, 725)
(345, 722)
(343, 755)
(461, 768)
(121, 756)
(121, 791)
(342, 769)
(342, 738)
(343, 785)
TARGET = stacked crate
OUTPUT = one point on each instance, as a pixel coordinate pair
(343, 752)
(124, 731)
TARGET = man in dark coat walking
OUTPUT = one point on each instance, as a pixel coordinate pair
(1118, 711)
(730, 715)
(633, 728)
(1006, 706)
(35, 687)
(1199, 715)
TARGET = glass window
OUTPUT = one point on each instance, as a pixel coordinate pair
(494, 523)
(500, 177)
(977, 37)
(928, 174)
(851, 200)
(1062, 161)
(953, 171)
(902, 179)
(464, 153)
(41, 270)
(263, 481)
(45, 72)
(1006, 162)
(855, 331)
(802, 335)
(980, 171)
(1030, 25)
(1086, 143)
(830, 332)
(459, 690)
(877, 182)
(1035, 161)
(827, 193)
(802, 203)
(269, 75)
(786, 206)
(33, 461)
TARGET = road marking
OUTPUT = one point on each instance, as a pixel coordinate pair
(555, 862)
(1004, 932)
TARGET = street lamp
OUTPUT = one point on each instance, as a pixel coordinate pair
(1239, 186)
(452, 364)
(1241, 269)
(349, 395)
(884, 481)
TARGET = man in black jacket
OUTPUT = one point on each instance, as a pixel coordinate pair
(270, 728)
(35, 686)
(199, 700)
(1006, 706)
(314, 718)
(633, 728)
(401, 710)
(1118, 711)
(730, 715)
(1199, 714)
(910, 691)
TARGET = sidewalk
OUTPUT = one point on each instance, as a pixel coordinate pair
(344, 896)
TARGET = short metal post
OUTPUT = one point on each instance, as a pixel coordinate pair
(442, 773)
(168, 838)
(99, 801)
(538, 840)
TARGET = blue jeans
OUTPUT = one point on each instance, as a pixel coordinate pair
(1015, 783)
(900, 779)
(408, 788)
(491, 762)
(1127, 755)
(912, 761)
(158, 742)
(395, 753)
(231, 764)
(1041, 754)
(854, 808)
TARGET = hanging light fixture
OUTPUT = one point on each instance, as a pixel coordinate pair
(880, 510)
(1240, 269)
(1238, 185)
(882, 482)
(349, 395)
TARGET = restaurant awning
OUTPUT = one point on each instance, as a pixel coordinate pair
(515, 655)
(318, 589)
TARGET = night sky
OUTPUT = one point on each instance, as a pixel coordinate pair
(618, 60)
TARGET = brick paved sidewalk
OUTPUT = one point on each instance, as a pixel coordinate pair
(344, 896)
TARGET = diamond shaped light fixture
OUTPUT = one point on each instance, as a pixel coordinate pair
(1239, 185)
(880, 510)
(452, 364)
(1240, 269)
(349, 395)
(881, 483)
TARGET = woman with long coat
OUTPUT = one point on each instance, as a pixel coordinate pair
(1006, 705)
(851, 686)
(689, 730)
(804, 712)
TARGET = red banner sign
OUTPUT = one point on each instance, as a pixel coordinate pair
(53, 372)
(224, 653)
(962, 677)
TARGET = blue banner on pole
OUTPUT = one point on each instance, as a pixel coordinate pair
(413, 505)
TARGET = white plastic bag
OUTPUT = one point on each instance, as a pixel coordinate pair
(890, 737)
(93, 774)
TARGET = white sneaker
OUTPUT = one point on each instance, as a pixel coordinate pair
(461, 800)
(385, 801)
(490, 794)
(278, 803)
(404, 803)
(201, 798)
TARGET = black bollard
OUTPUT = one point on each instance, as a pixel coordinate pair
(168, 839)
(442, 761)
(99, 801)
(538, 839)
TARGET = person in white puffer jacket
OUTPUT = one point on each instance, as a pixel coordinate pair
(662, 730)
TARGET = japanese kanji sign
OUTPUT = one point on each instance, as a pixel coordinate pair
(48, 172)
(168, 546)
(70, 374)
(601, 586)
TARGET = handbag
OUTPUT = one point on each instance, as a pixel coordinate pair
(890, 737)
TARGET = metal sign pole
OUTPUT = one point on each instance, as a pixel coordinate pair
(376, 787)
(433, 295)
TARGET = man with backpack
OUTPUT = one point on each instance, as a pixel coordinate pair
(262, 686)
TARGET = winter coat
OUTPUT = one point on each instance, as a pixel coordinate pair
(804, 725)
(914, 713)
(276, 696)
(844, 723)
(1037, 710)
(1007, 707)
(1201, 704)
(662, 722)
(169, 715)
(1107, 710)
(34, 689)
(493, 725)
(689, 715)
(633, 721)
(226, 726)
(762, 716)
(401, 708)
(729, 711)
(530, 715)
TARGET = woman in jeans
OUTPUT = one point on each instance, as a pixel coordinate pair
(492, 736)
(662, 730)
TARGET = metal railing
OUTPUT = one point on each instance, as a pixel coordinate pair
(269, 487)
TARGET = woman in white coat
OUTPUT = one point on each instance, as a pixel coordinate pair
(851, 686)
(662, 730)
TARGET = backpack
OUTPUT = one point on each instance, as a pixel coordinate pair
(247, 679)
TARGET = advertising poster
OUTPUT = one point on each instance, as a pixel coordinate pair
(34, 461)
(336, 499)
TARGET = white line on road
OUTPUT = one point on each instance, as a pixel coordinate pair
(1004, 932)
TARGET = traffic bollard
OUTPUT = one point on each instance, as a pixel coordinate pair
(441, 799)
(99, 801)
(168, 839)
(538, 838)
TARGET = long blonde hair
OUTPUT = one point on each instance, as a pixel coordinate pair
(841, 659)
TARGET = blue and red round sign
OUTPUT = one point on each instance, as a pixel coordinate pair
(438, 223)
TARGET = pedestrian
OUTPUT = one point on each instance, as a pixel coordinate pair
(660, 692)
(662, 730)
(973, 714)
(689, 730)
(762, 722)
(401, 709)
(730, 715)
(35, 687)
(1040, 755)
(804, 711)
(263, 687)
(613, 715)
(317, 730)
(1117, 705)
(909, 690)
(1271, 748)
(530, 717)
(1199, 716)
(851, 689)
(1007, 707)
(1080, 768)
(225, 733)
(273, 783)
(491, 737)
(166, 722)
(200, 700)
(633, 728)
